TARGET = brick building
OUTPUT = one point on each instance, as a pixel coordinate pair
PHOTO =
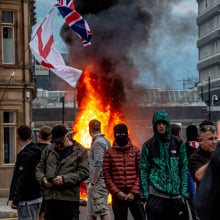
(17, 89)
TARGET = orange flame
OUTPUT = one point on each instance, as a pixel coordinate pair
(94, 106)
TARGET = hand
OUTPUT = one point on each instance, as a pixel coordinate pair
(14, 206)
(130, 197)
(121, 195)
(58, 180)
(46, 183)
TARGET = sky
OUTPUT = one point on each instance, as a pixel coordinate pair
(164, 59)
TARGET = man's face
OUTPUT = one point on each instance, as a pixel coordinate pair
(208, 141)
(161, 127)
(62, 144)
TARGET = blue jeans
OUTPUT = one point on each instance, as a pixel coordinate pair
(29, 212)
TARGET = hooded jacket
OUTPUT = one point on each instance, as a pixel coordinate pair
(24, 186)
(163, 162)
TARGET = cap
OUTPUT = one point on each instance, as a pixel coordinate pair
(58, 133)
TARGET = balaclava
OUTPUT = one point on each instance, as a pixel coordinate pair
(192, 133)
(121, 134)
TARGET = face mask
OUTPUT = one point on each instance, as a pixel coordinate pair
(121, 139)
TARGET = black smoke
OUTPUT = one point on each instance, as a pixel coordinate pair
(118, 27)
(132, 36)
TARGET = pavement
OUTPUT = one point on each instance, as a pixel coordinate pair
(7, 213)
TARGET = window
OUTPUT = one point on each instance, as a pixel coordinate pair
(9, 129)
(7, 35)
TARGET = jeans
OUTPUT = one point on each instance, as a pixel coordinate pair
(29, 212)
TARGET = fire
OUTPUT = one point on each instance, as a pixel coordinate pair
(93, 105)
(95, 102)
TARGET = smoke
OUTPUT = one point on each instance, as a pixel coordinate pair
(170, 52)
(118, 27)
(136, 39)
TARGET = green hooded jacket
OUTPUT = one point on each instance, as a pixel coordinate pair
(163, 163)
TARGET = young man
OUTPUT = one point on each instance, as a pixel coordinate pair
(199, 160)
(25, 191)
(208, 195)
(192, 142)
(176, 130)
(44, 139)
(121, 173)
(163, 172)
(97, 192)
(63, 166)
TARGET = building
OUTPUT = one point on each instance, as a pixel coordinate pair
(183, 106)
(17, 88)
(208, 44)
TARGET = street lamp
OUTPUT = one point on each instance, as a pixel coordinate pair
(214, 98)
(209, 89)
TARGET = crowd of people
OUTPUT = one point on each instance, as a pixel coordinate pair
(166, 178)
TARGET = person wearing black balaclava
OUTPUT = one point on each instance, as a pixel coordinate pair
(121, 174)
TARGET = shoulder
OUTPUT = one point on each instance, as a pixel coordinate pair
(177, 140)
(31, 149)
(79, 147)
(135, 149)
(110, 150)
(150, 141)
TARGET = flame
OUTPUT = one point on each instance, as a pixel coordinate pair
(83, 191)
(94, 105)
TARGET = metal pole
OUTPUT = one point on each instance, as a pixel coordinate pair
(209, 98)
(62, 100)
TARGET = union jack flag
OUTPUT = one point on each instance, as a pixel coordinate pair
(75, 21)
(67, 3)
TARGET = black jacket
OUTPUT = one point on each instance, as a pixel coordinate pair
(24, 186)
(207, 199)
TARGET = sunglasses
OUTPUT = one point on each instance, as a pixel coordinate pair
(205, 128)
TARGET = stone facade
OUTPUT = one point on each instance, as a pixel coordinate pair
(17, 89)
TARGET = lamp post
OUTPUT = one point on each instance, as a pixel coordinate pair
(214, 98)
(209, 89)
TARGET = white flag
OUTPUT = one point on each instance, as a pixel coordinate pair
(43, 48)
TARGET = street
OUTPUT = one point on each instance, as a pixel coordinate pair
(83, 213)
(82, 216)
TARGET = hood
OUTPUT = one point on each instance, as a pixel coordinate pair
(161, 115)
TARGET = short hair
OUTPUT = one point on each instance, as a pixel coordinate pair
(45, 132)
(206, 122)
(24, 132)
(175, 129)
(95, 125)
(206, 128)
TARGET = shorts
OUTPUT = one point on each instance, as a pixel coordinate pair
(97, 200)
